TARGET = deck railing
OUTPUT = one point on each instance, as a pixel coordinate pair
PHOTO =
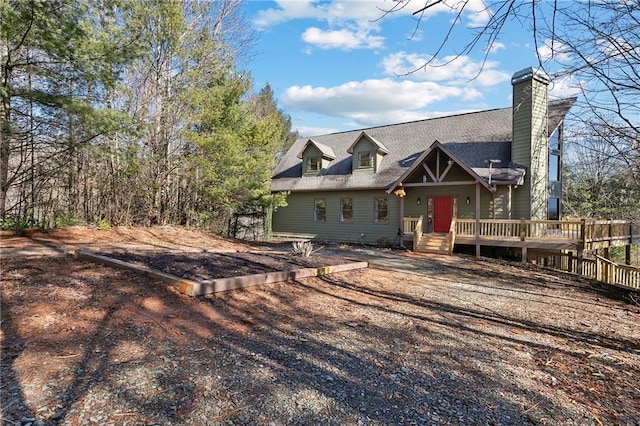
(606, 230)
(573, 230)
(521, 229)
(409, 224)
(597, 267)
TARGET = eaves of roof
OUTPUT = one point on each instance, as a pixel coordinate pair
(471, 138)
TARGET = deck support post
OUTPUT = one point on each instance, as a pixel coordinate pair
(570, 261)
(580, 249)
(524, 254)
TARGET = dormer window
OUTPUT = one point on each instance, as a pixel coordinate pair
(365, 160)
(314, 164)
(367, 153)
(315, 157)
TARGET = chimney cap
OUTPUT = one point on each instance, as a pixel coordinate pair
(528, 74)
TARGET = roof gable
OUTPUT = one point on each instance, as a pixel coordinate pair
(417, 164)
(324, 150)
(380, 148)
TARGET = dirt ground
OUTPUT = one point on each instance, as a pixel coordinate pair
(410, 340)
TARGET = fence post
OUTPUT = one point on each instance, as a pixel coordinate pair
(523, 229)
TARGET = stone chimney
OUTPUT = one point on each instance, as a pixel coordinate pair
(530, 142)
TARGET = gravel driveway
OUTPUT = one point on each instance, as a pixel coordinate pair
(411, 340)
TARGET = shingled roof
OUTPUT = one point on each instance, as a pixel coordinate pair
(473, 138)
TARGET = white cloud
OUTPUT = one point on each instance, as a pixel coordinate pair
(478, 12)
(286, 11)
(364, 15)
(334, 12)
(495, 46)
(307, 131)
(564, 87)
(454, 69)
(374, 101)
(341, 39)
(554, 50)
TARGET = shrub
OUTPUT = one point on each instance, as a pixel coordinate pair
(302, 248)
(16, 223)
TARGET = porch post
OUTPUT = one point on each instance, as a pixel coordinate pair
(401, 227)
(477, 219)
(509, 202)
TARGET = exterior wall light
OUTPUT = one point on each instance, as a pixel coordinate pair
(418, 201)
(468, 200)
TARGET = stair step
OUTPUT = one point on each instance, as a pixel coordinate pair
(434, 243)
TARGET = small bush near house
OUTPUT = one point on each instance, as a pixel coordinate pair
(302, 248)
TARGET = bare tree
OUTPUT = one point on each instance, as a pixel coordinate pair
(592, 46)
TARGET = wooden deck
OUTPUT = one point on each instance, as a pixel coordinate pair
(564, 241)
(571, 234)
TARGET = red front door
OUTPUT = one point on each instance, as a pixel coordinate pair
(442, 211)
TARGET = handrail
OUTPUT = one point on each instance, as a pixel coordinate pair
(417, 234)
(452, 236)
(409, 224)
(578, 230)
(598, 268)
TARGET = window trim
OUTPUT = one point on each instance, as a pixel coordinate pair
(371, 160)
(318, 164)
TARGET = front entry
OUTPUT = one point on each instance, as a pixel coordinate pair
(442, 213)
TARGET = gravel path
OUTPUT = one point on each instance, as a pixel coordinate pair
(411, 340)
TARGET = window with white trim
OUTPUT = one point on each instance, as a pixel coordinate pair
(314, 164)
(365, 160)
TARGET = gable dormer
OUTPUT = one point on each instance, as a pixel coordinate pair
(315, 158)
(366, 153)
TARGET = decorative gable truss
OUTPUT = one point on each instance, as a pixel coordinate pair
(315, 158)
(441, 166)
(367, 153)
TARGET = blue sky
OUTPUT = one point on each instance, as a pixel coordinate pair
(335, 65)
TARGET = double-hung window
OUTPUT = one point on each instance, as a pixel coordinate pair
(346, 210)
(365, 160)
(381, 210)
(320, 210)
(314, 164)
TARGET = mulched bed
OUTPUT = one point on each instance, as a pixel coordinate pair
(206, 266)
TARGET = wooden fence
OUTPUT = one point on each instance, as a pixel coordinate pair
(596, 267)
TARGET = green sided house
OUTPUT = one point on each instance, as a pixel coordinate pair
(373, 185)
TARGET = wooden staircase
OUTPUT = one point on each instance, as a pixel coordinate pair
(437, 243)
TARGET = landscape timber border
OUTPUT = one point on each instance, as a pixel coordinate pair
(200, 288)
